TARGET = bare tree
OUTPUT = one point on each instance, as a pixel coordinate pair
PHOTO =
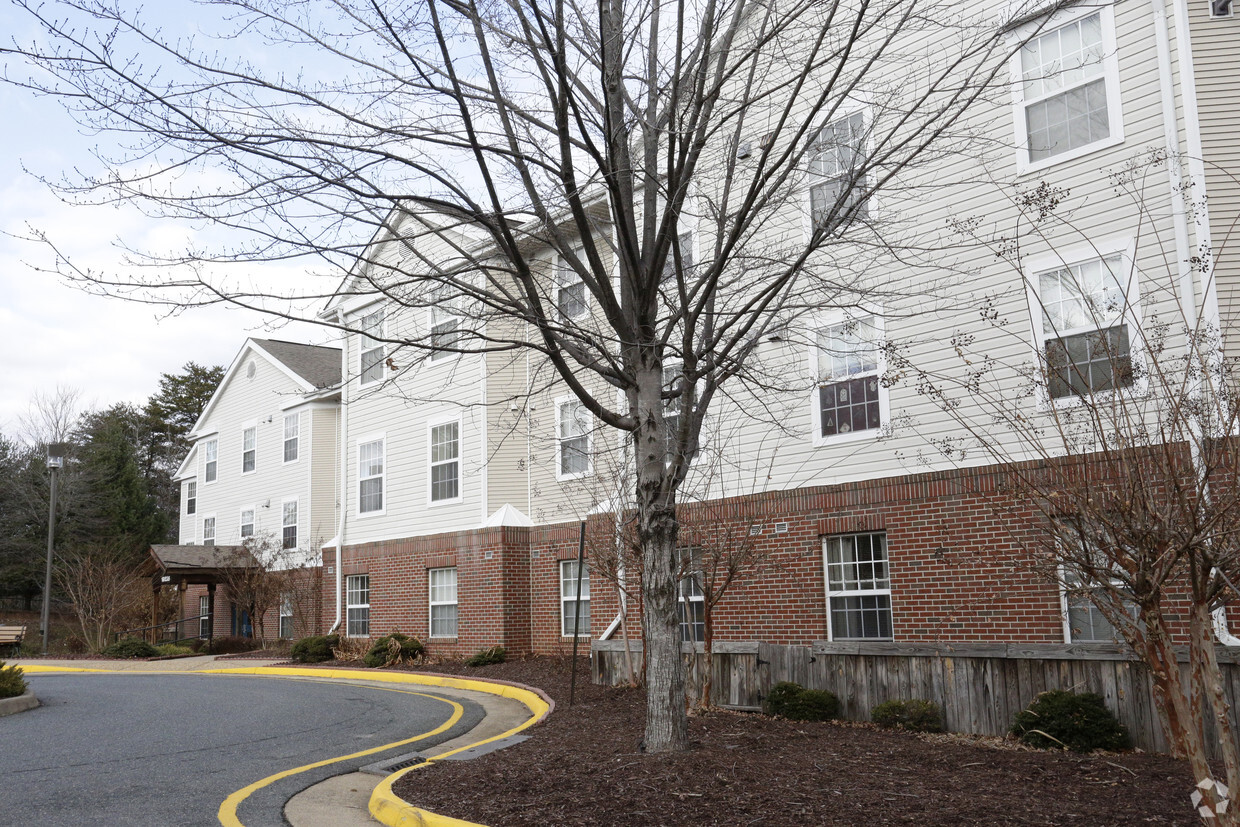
(105, 587)
(1116, 443)
(620, 188)
(260, 576)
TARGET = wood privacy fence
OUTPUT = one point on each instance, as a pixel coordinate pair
(980, 687)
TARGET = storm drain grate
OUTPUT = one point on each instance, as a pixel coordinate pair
(391, 765)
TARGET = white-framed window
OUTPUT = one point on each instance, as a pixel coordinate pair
(850, 401)
(371, 460)
(684, 241)
(191, 496)
(858, 586)
(444, 461)
(673, 380)
(446, 323)
(1066, 87)
(210, 460)
(572, 427)
(286, 616)
(1084, 622)
(357, 605)
(836, 187)
(1084, 320)
(204, 621)
(292, 437)
(568, 599)
(208, 530)
(692, 599)
(371, 351)
(571, 299)
(249, 448)
(288, 524)
(443, 602)
(247, 522)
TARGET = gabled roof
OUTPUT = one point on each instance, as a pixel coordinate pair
(317, 364)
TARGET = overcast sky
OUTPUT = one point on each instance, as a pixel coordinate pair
(52, 334)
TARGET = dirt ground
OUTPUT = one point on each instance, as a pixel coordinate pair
(583, 767)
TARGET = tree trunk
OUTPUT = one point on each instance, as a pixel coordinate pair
(1205, 675)
(1182, 727)
(667, 724)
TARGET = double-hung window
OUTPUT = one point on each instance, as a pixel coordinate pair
(445, 462)
(443, 602)
(1084, 622)
(247, 522)
(357, 605)
(446, 324)
(370, 464)
(191, 497)
(691, 596)
(858, 587)
(289, 524)
(208, 530)
(204, 616)
(249, 448)
(286, 616)
(1067, 88)
(570, 607)
(850, 392)
(836, 185)
(210, 457)
(370, 365)
(573, 439)
(292, 437)
(571, 301)
(1085, 341)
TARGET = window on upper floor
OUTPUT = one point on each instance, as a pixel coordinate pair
(292, 437)
(247, 522)
(836, 186)
(208, 530)
(571, 299)
(1084, 335)
(210, 456)
(191, 497)
(572, 610)
(573, 439)
(1067, 88)
(850, 395)
(858, 586)
(289, 524)
(445, 461)
(446, 323)
(684, 242)
(370, 347)
(370, 464)
(249, 448)
(357, 605)
(443, 604)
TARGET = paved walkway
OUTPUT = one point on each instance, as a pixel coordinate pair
(342, 800)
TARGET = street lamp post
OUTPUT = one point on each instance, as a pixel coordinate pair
(55, 461)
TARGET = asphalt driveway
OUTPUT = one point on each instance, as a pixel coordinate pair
(167, 749)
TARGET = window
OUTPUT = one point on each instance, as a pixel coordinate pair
(248, 439)
(443, 602)
(1084, 331)
(208, 530)
(247, 522)
(290, 524)
(692, 608)
(684, 241)
(850, 393)
(191, 497)
(673, 380)
(357, 605)
(858, 587)
(445, 323)
(570, 295)
(210, 451)
(445, 460)
(204, 620)
(568, 599)
(1067, 98)
(370, 367)
(292, 437)
(286, 617)
(836, 189)
(370, 457)
(573, 432)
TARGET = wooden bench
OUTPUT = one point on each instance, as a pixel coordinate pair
(12, 637)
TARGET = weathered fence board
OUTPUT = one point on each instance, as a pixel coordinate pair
(979, 687)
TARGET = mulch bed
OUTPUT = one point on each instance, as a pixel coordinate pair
(582, 767)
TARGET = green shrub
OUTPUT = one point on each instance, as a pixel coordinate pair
(392, 649)
(130, 647)
(795, 702)
(12, 683)
(1065, 720)
(168, 650)
(917, 714)
(230, 645)
(486, 657)
(314, 649)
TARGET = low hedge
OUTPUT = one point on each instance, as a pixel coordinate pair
(1065, 720)
(314, 649)
(392, 649)
(486, 657)
(12, 683)
(796, 703)
(916, 714)
(130, 648)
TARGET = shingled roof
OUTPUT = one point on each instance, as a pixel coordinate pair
(318, 365)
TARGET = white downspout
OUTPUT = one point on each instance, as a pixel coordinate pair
(343, 449)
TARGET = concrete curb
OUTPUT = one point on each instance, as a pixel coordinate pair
(23, 702)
